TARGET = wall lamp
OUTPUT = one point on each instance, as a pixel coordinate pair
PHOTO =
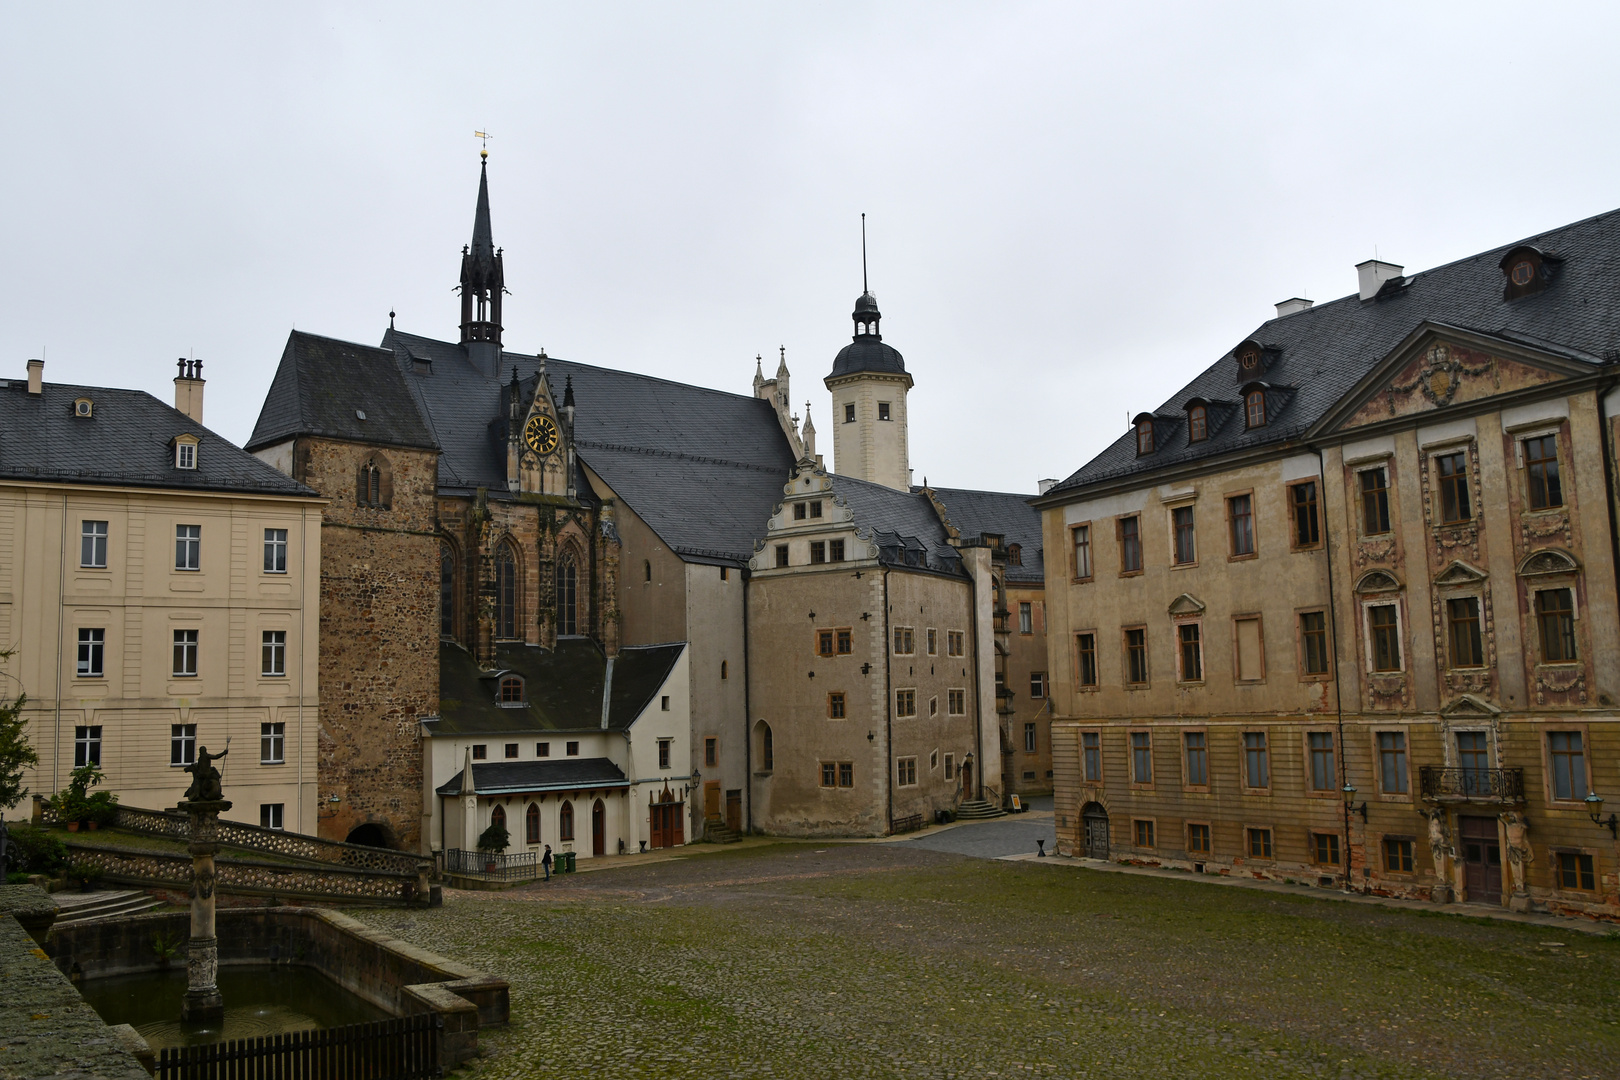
(1350, 806)
(1594, 810)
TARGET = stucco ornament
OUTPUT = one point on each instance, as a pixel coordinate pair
(1440, 376)
(1518, 846)
(1439, 841)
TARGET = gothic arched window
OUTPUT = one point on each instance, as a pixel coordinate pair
(497, 816)
(565, 822)
(506, 594)
(567, 596)
(447, 591)
(532, 824)
(374, 484)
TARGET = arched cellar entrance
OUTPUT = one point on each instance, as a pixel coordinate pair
(371, 835)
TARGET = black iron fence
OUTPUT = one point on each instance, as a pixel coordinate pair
(1463, 785)
(909, 823)
(400, 1049)
(522, 866)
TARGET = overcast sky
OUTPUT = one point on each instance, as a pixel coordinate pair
(1072, 209)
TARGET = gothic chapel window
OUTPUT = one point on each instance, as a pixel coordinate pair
(567, 596)
(506, 594)
(447, 591)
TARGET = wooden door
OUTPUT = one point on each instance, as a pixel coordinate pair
(1481, 859)
(657, 816)
(1095, 819)
(734, 810)
(711, 801)
(598, 829)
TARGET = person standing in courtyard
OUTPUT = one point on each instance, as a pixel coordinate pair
(545, 862)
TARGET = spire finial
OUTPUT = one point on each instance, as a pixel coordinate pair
(864, 287)
(484, 136)
(390, 318)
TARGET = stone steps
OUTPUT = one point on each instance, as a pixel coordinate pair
(715, 832)
(101, 904)
(978, 810)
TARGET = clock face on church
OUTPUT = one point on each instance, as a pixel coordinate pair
(540, 433)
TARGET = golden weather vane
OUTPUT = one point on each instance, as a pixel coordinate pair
(485, 136)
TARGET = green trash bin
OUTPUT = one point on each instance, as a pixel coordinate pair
(568, 862)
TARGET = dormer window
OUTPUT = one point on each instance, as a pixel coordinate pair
(511, 691)
(1015, 555)
(1144, 436)
(185, 452)
(1249, 358)
(1197, 423)
(82, 408)
(1254, 408)
(1528, 270)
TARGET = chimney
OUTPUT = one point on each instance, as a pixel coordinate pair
(1293, 304)
(1043, 486)
(1373, 274)
(188, 388)
(36, 377)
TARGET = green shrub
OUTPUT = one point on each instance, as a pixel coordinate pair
(495, 838)
(37, 851)
(102, 808)
(75, 803)
(83, 871)
(15, 878)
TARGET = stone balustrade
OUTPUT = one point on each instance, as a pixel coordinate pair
(136, 866)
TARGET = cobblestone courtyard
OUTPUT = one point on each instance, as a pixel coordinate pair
(791, 960)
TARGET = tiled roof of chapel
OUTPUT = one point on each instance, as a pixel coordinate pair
(1322, 353)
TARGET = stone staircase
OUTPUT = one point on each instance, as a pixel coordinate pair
(715, 832)
(978, 810)
(101, 904)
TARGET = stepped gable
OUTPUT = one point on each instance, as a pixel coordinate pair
(976, 512)
(126, 441)
(701, 467)
(322, 387)
(562, 688)
(1321, 354)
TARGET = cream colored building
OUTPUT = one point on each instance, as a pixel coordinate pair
(159, 592)
(1344, 609)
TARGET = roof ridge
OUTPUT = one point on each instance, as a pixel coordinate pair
(591, 444)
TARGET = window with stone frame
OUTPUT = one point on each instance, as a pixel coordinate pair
(1195, 751)
(836, 705)
(1142, 832)
(906, 772)
(1185, 534)
(781, 555)
(1313, 639)
(905, 703)
(956, 702)
(1256, 761)
(1566, 754)
(93, 545)
(1082, 552)
(507, 593)
(846, 774)
(1141, 757)
(1374, 501)
(1136, 669)
(845, 641)
(1398, 854)
(1543, 485)
(1130, 545)
(954, 643)
(1324, 775)
(1325, 848)
(1555, 621)
(1190, 646)
(1086, 657)
(1576, 870)
(1452, 491)
(905, 641)
(1392, 773)
(1240, 525)
(1384, 634)
(1307, 524)
(1259, 843)
(1091, 757)
(1467, 644)
(825, 640)
(1198, 840)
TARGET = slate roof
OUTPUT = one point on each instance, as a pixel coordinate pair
(124, 442)
(1321, 354)
(563, 687)
(702, 467)
(512, 777)
(902, 523)
(323, 385)
(868, 352)
(976, 512)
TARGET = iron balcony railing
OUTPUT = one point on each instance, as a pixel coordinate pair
(1471, 785)
(520, 866)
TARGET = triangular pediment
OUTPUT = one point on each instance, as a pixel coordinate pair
(1470, 706)
(1186, 604)
(1460, 573)
(1439, 366)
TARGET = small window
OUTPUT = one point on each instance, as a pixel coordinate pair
(185, 455)
(725, 573)
(1037, 685)
(511, 750)
(1383, 626)
(646, 569)
(1314, 642)
(711, 752)
(1576, 871)
(835, 705)
(846, 641)
(1197, 424)
(1136, 670)
(1143, 833)
(846, 774)
(954, 643)
(1462, 625)
(1190, 637)
(93, 545)
(800, 511)
(883, 410)
(664, 703)
(824, 642)
(1307, 528)
(188, 547)
(1082, 552)
(663, 753)
(1015, 555)
(542, 749)
(1397, 855)
(1030, 740)
(368, 489)
(272, 815)
(1130, 545)
(781, 554)
(1392, 762)
(275, 551)
(572, 749)
(1240, 518)
(1256, 760)
(1541, 472)
(1026, 618)
(182, 744)
(1325, 848)
(92, 653)
(1455, 505)
(1195, 743)
(272, 744)
(1141, 757)
(273, 653)
(1259, 843)
(1144, 437)
(905, 703)
(767, 748)
(1086, 646)
(185, 653)
(956, 702)
(1186, 539)
(1374, 502)
(815, 509)
(723, 670)
(1091, 753)
(1249, 359)
(83, 408)
(906, 772)
(1254, 409)
(950, 766)
(905, 641)
(818, 552)
(1198, 840)
(933, 642)
(512, 690)
(849, 412)
(835, 551)
(829, 774)
(1555, 617)
(480, 751)
(86, 745)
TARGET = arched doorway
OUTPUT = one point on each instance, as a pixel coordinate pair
(1095, 840)
(370, 835)
(598, 829)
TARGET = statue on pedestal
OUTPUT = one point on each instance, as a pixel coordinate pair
(204, 801)
(204, 777)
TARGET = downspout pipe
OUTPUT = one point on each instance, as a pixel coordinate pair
(978, 711)
(748, 714)
(888, 709)
(1333, 633)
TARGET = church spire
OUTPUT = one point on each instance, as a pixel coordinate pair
(483, 281)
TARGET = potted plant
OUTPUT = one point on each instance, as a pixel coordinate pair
(493, 841)
(85, 873)
(75, 805)
(101, 808)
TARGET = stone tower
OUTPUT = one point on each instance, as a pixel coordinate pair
(868, 385)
